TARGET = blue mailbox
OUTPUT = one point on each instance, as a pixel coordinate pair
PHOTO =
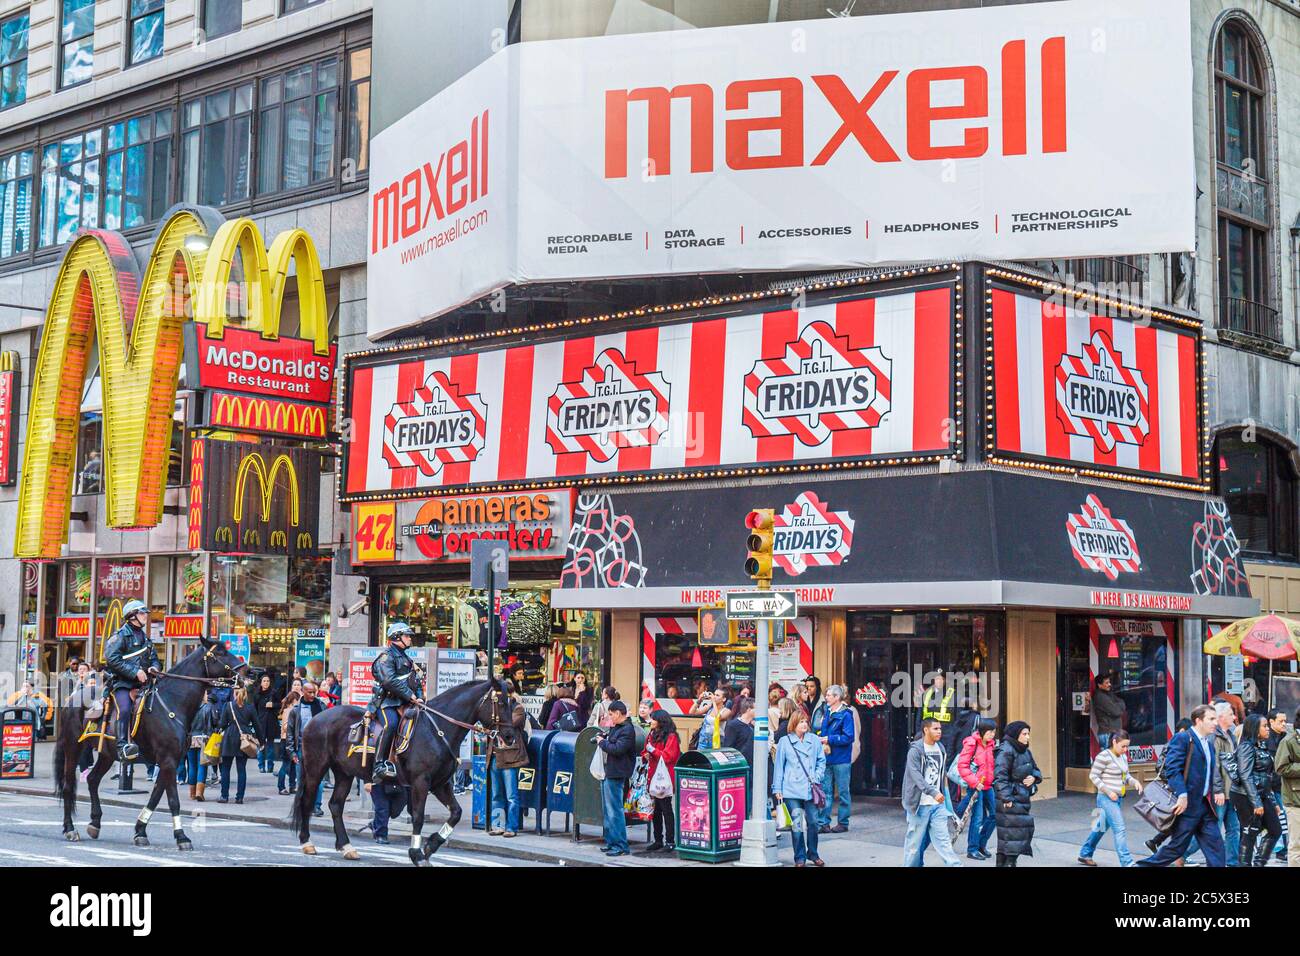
(559, 776)
(478, 810)
(532, 779)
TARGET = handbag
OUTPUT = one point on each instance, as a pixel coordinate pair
(211, 755)
(598, 763)
(1157, 805)
(818, 794)
(783, 819)
(247, 742)
(661, 782)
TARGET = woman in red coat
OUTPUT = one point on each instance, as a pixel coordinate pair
(661, 744)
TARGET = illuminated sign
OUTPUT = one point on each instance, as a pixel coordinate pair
(137, 315)
(183, 625)
(273, 416)
(255, 498)
(10, 389)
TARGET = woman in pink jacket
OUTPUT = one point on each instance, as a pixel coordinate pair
(975, 765)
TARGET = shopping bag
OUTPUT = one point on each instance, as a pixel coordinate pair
(783, 818)
(661, 784)
(212, 749)
(598, 764)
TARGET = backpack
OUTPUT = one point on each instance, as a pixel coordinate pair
(569, 721)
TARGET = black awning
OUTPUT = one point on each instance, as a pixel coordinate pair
(967, 538)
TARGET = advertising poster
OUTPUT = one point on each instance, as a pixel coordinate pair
(694, 814)
(309, 652)
(239, 645)
(16, 751)
(731, 810)
(455, 667)
(847, 141)
(361, 683)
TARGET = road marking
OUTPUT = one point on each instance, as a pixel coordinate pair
(33, 858)
(137, 858)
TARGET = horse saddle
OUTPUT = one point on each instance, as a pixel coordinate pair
(368, 729)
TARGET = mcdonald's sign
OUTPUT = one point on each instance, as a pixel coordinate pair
(270, 416)
(183, 625)
(10, 389)
(138, 314)
(255, 498)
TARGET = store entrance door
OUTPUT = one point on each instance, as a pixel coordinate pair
(894, 667)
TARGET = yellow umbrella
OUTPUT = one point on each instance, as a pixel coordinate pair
(1268, 637)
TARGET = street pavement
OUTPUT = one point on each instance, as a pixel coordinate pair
(30, 832)
(31, 835)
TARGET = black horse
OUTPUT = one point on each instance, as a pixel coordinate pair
(162, 736)
(428, 764)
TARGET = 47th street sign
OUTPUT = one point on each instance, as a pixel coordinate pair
(761, 605)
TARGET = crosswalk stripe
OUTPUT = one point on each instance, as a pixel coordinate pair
(29, 859)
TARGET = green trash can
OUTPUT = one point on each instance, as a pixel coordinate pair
(587, 808)
(711, 789)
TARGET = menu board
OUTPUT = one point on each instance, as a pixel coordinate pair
(1130, 662)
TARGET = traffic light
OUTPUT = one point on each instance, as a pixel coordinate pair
(759, 563)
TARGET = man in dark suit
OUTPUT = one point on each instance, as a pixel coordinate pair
(1192, 774)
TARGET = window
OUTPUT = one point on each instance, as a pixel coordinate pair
(137, 170)
(216, 146)
(76, 42)
(221, 17)
(76, 587)
(299, 109)
(1242, 186)
(1257, 481)
(13, 60)
(146, 32)
(293, 6)
(358, 129)
(15, 203)
(70, 186)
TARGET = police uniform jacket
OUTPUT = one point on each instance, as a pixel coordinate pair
(395, 677)
(128, 650)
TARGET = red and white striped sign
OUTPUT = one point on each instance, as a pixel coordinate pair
(1093, 390)
(612, 406)
(808, 534)
(654, 627)
(438, 424)
(840, 380)
(1101, 542)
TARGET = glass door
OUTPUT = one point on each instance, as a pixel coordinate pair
(891, 669)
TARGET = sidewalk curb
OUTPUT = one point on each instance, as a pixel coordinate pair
(496, 848)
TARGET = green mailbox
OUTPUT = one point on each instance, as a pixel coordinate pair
(711, 789)
(587, 807)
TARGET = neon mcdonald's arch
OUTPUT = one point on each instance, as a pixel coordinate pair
(101, 294)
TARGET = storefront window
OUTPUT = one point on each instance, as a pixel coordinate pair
(678, 668)
(269, 599)
(548, 645)
(76, 587)
(119, 581)
(187, 585)
(1139, 655)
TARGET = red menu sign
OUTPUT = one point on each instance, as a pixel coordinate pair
(16, 751)
(8, 418)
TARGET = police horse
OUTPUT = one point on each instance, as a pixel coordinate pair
(428, 755)
(164, 710)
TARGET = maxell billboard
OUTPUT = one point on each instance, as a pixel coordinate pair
(981, 133)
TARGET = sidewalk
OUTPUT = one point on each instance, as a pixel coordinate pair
(875, 836)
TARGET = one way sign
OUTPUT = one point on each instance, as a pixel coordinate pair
(761, 605)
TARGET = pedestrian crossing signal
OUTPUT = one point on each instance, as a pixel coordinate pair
(758, 565)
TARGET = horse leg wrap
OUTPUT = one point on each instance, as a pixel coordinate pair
(415, 841)
(445, 832)
(177, 822)
(143, 818)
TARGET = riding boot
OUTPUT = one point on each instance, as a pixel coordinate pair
(1266, 850)
(198, 791)
(193, 791)
(385, 769)
(1249, 835)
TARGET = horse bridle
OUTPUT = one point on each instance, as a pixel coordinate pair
(493, 732)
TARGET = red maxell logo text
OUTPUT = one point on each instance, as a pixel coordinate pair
(854, 112)
(438, 188)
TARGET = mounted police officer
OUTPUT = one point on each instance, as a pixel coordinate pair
(397, 682)
(131, 659)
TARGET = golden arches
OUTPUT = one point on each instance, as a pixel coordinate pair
(100, 293)
(255, 463)
(266, 278)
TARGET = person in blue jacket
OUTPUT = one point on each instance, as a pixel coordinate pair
(799, 762)
(838, 733)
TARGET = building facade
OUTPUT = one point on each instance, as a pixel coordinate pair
(112, 115)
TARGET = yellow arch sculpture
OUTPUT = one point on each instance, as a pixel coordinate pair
(100, 294)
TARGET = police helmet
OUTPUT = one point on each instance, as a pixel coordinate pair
(134, 606)
(398, 628)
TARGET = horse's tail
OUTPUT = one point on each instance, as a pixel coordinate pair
(66, 750)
